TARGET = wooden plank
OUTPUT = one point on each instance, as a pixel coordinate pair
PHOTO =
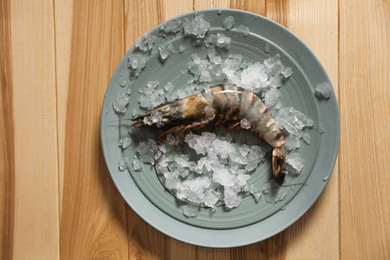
(36, 222)
(7, 149)
(63, 31)
(364, 105)
(258, 7)
(315, 235)
(93, 216)
(176, 249)
(145, 241)
(204, 4)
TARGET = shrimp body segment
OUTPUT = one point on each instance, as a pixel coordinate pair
(222, 104)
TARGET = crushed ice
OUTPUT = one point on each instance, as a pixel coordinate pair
(220, 176)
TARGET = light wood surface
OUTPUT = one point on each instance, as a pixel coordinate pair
(56, 197)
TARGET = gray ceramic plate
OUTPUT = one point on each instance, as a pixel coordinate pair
(250, 222)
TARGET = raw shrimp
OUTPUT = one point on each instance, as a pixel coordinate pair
(222, 104)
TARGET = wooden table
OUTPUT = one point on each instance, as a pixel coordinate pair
(56, 197)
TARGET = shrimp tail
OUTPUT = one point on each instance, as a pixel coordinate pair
(279, 164)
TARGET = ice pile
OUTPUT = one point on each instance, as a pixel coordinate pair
(294, 121)
(197, 27)
(207, 70)
(218, 177)
(256, 77)
(151, 96)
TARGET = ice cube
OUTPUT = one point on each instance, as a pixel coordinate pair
(124, 142)
(123, 163)
(223, 177)
(146, 150)
(222, 148)
(183, 161)
(200, 144)
(121, 103)
(242, 180)
(205, 76)
(219, 40)
(197, 65)
(255, 192)
(137, 164)
(166, 51)
(170, 27)
(155, 118)
(231, 198)
(169, 87)
(172, 180)
(295, 161)
(274, 66)
(292, 143)
(146, 43)
(273, 192)
(244, 149)
(228, 22)
(190, 211)
(197, 27)
(292, 120)
(323, 90)
(287, 72)
(150, 97)
(211, 197)
(306, 137)
(276, 81)
(254, 77)
(137, 61)
(244, 30)
(214, 57)
(271, 96)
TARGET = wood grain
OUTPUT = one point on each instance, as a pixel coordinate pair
(57, 200)
(7, 150)
(93, 215)
(63, 43)
(36, 222)
(364, 152)
(303, 18)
